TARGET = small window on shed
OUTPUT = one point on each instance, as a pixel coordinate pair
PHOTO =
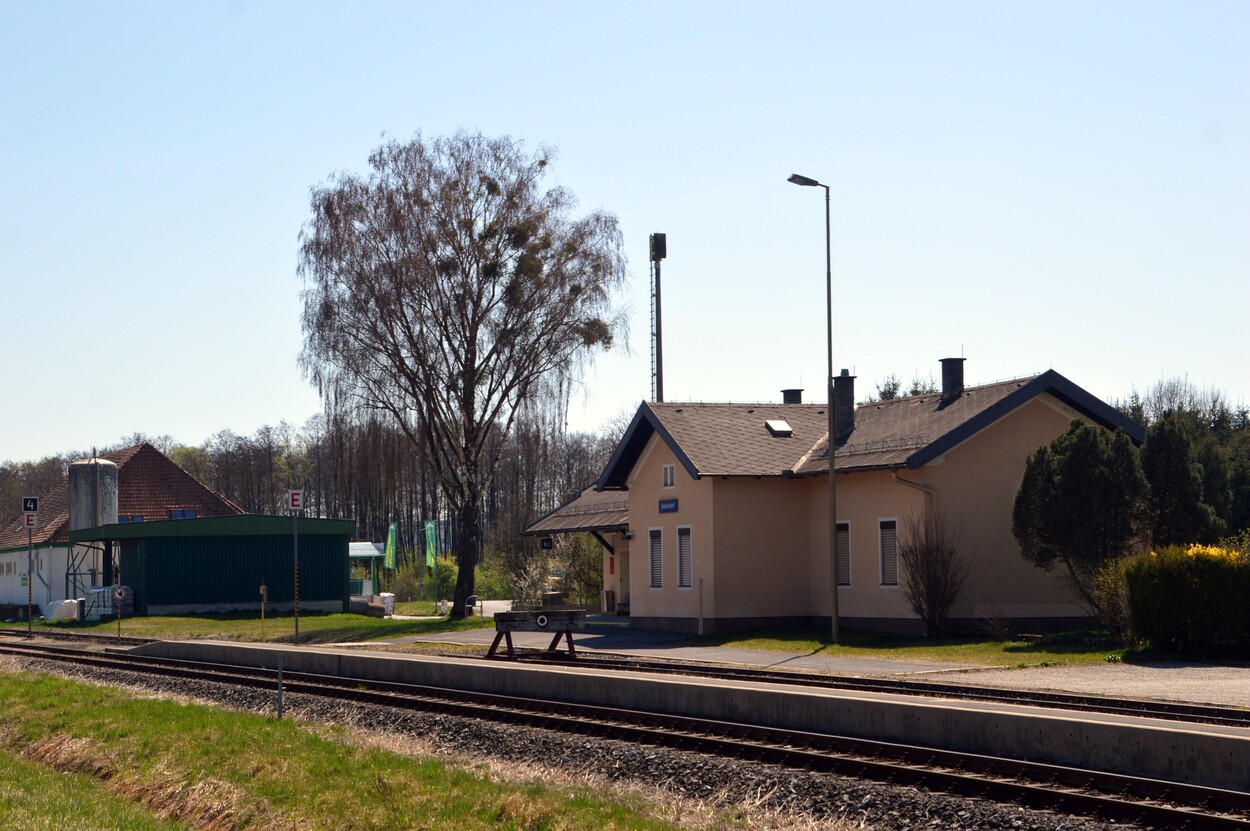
(779, 427)
(182, 513)
(122, 519)
(137, 518)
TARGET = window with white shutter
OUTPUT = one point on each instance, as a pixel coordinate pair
(889, 552)
(843, 553)
(657, 559)
(685, 558)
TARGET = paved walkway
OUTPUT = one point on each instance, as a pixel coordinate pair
(1227, 685)
(606, 637)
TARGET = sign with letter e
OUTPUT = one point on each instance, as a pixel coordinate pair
(30, 511)
(296, 500)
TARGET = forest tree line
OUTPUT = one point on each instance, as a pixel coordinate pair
(356, 465)
(359, 466)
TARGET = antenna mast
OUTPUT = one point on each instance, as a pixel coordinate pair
(659, 250)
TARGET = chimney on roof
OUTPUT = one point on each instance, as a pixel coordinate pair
(952, 379)
(792, 396)
(844, 404)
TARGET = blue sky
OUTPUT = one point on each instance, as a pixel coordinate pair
(1032, 185)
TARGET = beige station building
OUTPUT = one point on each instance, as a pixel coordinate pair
(716, 516)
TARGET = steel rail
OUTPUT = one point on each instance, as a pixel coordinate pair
(1170, 711)
(1111, 796)
(78, 637)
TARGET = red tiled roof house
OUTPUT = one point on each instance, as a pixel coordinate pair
(150, 487)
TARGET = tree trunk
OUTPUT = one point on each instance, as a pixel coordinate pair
(468, 537)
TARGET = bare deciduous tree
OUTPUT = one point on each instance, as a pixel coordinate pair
(447, 288)
(932, 570)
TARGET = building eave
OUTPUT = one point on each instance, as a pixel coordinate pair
(1050, 382)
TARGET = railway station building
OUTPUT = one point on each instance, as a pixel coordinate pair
(716, 516)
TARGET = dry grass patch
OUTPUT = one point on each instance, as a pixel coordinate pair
(70, 754)
(202, 804)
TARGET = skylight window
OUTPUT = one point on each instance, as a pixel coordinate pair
(779, 427)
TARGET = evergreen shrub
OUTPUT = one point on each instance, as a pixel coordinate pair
(1192, 599)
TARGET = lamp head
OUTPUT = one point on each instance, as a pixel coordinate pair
(804, 181)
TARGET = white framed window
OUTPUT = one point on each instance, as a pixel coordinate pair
(657, 558)
(843, 553)
(889, 552)
(685, 558)
(669, 476)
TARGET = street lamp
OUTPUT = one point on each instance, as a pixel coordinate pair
(833, 492)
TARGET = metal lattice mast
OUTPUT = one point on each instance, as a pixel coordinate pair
(659, 249)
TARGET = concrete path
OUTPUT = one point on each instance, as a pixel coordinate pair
(623, 639)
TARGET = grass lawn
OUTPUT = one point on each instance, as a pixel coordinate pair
(415, 607)
(62, 741)
(1056, 648)
(246, 626)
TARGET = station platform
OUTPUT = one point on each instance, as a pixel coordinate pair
(1206, 755)
(1226, 685)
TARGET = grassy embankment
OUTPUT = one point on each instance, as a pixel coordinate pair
(247, 626)
(38, 798)
(73, 755)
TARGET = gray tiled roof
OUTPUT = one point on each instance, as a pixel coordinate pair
(888, 433)
(590, 510)
(732, 440)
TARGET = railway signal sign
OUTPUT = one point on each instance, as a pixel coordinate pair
(296, 500)
(30, 513)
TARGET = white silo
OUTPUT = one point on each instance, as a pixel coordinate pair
(92, 493)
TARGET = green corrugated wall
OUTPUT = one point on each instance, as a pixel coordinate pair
(218, 569)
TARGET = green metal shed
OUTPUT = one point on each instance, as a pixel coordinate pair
(216, 564)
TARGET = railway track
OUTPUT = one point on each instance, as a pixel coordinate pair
(45, 634)
(1170, 711)
(1070, 790)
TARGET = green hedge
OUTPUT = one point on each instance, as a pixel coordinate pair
(1194, 600)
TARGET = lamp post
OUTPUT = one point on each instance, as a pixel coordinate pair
(806, 182)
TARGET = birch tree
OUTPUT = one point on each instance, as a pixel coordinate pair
(446, 288)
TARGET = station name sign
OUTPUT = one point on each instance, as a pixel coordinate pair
(668, 506)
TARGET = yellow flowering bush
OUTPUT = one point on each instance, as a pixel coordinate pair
(1214, 551)
(1191, 599)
